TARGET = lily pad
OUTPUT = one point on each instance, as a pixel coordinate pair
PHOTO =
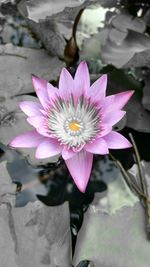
(41, 9)
(51, 22)
(34, 236)
(146, 172)
(146, 93)
(121, 54)
(114, 239)
(137, 116)
(13, 122)
(17, 80)
(124, 21)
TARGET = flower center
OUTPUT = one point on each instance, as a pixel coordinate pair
(74, 126)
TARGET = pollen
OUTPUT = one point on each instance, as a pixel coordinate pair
(74, 126)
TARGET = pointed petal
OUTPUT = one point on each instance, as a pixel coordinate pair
(52, 91)
(105, 129)
(37, 121)
(107, 103)
(43, 131)
(99, 146)
(97, 91)
(40, 87)
(29, 139)
(65, 84)
(80, 167)
(48, 148)
(121, 99)
(67, 153)
(113, 117)
(31, 108)
(115, 140)
(81, 79)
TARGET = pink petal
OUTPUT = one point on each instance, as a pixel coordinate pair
(81, 79)
(29, 139)
(31, 108)
(65, 84)
(97, 91)
(105, 129)
(121, 99)
(37, 121)
(115, 141)
(48, 148)
(115, 102)
(80, 168)
(107, 103)
(40, 87)
(113, 117)
(52, 91)
(43, 131)
(99, 146)
(67, 153)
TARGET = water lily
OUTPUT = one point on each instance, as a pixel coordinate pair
(75, 121)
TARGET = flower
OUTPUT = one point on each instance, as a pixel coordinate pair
(75, 120)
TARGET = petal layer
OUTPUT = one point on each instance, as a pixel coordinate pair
(97, 91)
(121, 99)
(81, 79)
(80, 167)
(107, 104)
(115, 140)
(52, 91)
(48, 148)
(99, 146)
(113, 117)
(29, 139)
(31, 108)
(105, 129)
(40, 87)
(67, 153)
(37, 121)
(65, 84)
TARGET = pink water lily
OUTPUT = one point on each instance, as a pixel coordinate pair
(75, 120)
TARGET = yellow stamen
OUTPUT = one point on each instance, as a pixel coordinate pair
(74, 126)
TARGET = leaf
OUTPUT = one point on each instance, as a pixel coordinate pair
(124, 21)
(114, 239)
(30, 235)
(41, 9)
(52, 21)
(17, 81)
(49, 20)
(121, 53)
(146, 173)
(146, 92)
(13, 122)
(18, 63)
(7, 189)
(33, 235)
(137, 117)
